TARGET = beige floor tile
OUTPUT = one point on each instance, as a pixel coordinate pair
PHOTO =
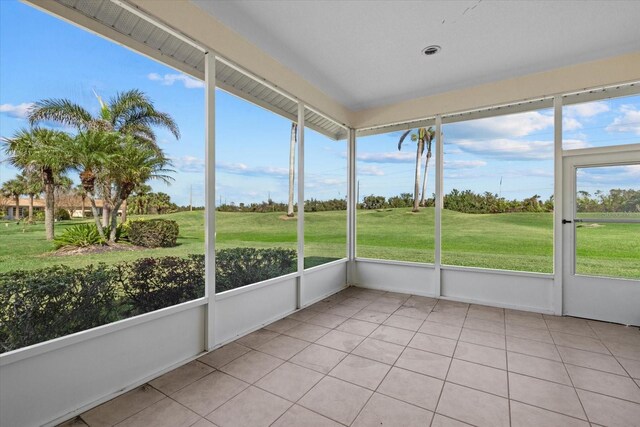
(358, 327)
(574, 328)
(297, 416)
(529, 416)
(384, 306)
(412, 387)
(626, 350)
(604, 383)
(473, 406)
(252, 366)
(206, 394)
(180, 377)
(403, 322)
(631, 366)
(318, 358)
(251, 408)
(327, 320)
(223, 355)
(578, 341)
(203, 422)
(424, 362)
(453, 319)
(302, 315)
(538, 367)
(343, 341)
(529, 333)
(434, 344)
(482, 355)
(336, 399)
(290, 381)
(392, 335)
(533, 348)
(417, 313)
(589, 359)
(371, 316)
(73, 422)
(356, 303)
(385, 411)
(165, 413)
(381, 351)
(486, 313)
(360, 371)
(485, 325)
(545, 394)
(526, 321)
(282, 325)
(480, 377)
(488, 339)
(442, 421)
(609, 411)
(440, 330)
(122, 407)
(342, 310)
(257, 338)
(307, 332)
(283, 347)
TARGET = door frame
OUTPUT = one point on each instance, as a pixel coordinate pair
(600, 298)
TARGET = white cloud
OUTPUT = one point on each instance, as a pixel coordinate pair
(243, 169)
(19, 111)
(569, 123)
(188, 164)
(513, 125)
(573, 144)
(170, 79)
(463, 164)
(629, 121)
(370, 170)
(504, 148)
(588, 109)
(390, 157)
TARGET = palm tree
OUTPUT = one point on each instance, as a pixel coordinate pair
(14, 188)
(32, 187)
(41, 151)
(93, 154)
(128, 113)
(80, 192)
(134, 165)
(292, 162)
(423, 137)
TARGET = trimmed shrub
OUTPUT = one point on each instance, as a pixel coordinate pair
(62, 215)
(154, 233)
(153, 283)
(237, 267)
(43, 304)
(80, 235)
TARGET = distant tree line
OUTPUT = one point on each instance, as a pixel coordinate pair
(616, 200)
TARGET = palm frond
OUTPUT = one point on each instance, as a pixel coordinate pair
(402, 138)
(62, 111)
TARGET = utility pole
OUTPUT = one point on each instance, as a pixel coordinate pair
(358, 193)
(191, 198)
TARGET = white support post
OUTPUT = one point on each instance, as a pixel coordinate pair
(300, 292)
(352, 204)
(439, 203)
(558, 265)
(210, 199)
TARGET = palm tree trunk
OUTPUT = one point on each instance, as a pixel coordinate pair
(292, 162)
(96, 216)
(17, 215)
(82, 207)
(424, 178)
(114, 221)
(123, 218)
(31, 207)
(49, 207)
(416, 188)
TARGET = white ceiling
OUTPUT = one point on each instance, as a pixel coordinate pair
(367, 53)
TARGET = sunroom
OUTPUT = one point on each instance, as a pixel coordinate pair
(413, 213)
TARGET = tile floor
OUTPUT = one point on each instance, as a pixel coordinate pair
(371, 358)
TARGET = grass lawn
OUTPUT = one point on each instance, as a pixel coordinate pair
(521, 241)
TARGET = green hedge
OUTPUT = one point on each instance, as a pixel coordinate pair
(153, 233)
(40, 305)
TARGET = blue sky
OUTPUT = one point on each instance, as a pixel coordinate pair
(43, 57)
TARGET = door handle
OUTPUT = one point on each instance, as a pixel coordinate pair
(566, 221)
